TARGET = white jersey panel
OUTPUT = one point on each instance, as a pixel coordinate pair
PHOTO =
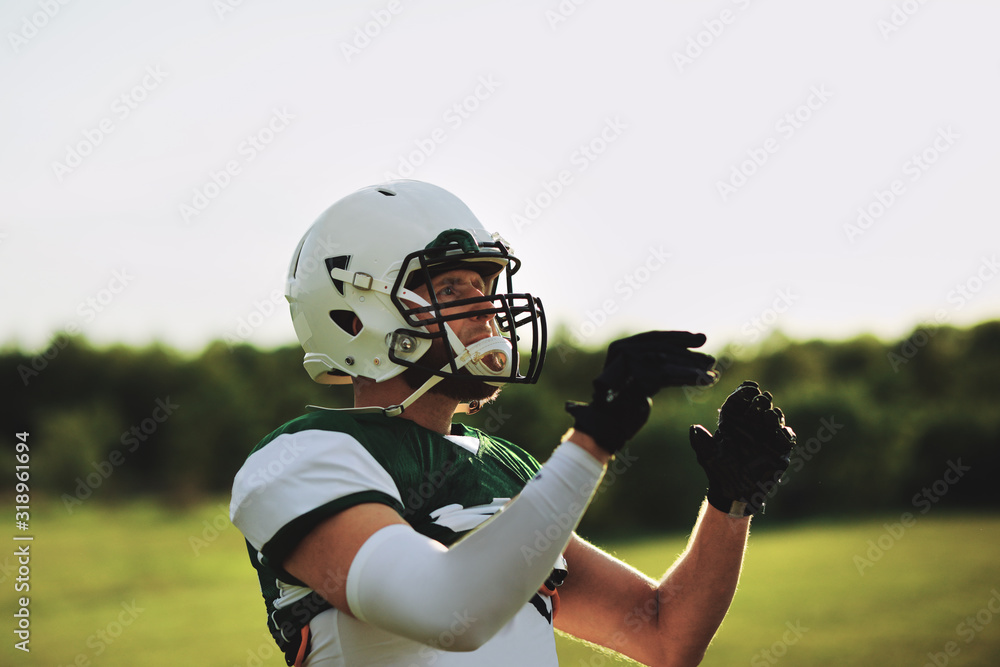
(298, 472)
(461, 519)
(465, 442)
(342, 641)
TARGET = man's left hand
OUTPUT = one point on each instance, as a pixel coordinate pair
(748, 453)
(635, 369)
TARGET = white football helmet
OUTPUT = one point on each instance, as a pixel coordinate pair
(363, 258)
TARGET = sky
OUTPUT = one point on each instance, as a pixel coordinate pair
(735, 167)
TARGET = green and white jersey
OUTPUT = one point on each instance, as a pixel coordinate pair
(444, 486)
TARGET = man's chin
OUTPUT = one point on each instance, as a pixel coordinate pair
(462, 389)
(465, 390)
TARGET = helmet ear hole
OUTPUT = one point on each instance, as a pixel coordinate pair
(347, 320)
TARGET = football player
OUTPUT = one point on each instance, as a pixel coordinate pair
(386, 534)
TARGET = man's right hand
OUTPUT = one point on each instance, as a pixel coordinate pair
(635, 369)
(748, 454)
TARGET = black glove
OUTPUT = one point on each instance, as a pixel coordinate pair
(748, 453)
(634, 370)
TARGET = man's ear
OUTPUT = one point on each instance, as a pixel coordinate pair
(356, 326)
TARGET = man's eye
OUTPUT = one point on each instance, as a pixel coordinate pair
(447, 291)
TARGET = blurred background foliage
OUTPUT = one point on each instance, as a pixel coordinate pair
(878, 422)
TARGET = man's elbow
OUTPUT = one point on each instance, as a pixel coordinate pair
(468, 641)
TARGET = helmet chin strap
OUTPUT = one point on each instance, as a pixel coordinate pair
(472, 355)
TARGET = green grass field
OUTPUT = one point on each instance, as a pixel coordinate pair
(141, 586)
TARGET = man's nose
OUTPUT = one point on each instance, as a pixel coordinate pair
(474, 293)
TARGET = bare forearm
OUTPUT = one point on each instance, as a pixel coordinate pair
(696, 592)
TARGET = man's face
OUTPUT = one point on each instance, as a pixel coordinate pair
(453, 286)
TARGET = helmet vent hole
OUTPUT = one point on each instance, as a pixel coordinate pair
(340, 262)
(386, 192)
(295, 259)
(347, 321)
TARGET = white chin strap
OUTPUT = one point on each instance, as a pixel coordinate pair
(490, 357)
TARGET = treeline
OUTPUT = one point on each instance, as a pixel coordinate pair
(909, 426)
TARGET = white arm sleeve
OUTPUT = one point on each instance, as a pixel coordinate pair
(415, 587)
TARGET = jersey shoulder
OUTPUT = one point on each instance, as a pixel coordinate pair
(506, 452)
(325, 420)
